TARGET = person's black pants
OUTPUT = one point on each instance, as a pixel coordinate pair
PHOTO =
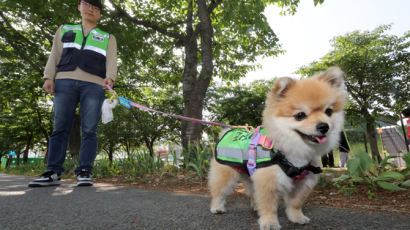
(328, 160)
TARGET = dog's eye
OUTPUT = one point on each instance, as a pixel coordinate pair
(300, 116)
(329, 112)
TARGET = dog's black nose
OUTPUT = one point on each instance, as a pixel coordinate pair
(322, 127)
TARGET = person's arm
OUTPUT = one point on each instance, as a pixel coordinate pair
(111, 62)
(55, 56)
(53, 60)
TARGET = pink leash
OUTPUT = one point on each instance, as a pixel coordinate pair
(128, 105)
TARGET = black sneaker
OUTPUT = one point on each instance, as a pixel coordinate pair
(84, 178)
(49, 178)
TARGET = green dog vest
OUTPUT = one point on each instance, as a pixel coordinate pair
(233, 149)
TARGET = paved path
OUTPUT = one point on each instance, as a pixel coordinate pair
(114, 207)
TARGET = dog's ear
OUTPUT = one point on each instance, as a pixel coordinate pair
(281, 86)
(334, 76)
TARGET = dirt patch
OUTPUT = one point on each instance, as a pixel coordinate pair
(360, 197)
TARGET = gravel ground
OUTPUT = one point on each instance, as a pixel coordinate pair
(105, 206)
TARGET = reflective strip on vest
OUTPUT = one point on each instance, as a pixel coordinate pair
(95, 49)
(67, 27)
(96, 41)
(72, 45)
(240, 155)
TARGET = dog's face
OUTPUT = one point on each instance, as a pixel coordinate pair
(306, 114)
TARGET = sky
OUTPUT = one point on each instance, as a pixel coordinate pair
(306, 35)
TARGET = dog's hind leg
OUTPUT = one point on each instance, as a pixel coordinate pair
(294, 202)
(221, 181)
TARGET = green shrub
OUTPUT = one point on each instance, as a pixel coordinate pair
(362, 169)
(198, 159)
(34, 168)
(103, 168)
(138, 165)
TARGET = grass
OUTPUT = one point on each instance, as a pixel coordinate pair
(27, 169)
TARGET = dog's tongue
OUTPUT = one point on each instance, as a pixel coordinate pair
(321, 140)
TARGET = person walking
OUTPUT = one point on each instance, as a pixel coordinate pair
(328, 160)
(344, 150)
(83, 60)
(406, 114)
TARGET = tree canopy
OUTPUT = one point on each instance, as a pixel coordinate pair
(162, 45)
(377, 71)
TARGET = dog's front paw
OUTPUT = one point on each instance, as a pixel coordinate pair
(218, 206)
(253, 205)
(302, 220)
(269, 224)
(299, 218)
(218, 210)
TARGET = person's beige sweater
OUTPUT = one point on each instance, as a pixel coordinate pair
(78, 74)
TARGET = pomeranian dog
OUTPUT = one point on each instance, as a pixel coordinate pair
(303, 119)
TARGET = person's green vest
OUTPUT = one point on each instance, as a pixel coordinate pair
(87, 53)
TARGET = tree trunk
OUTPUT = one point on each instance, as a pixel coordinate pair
(8, 162)
(150, 145)
(45, 160)
(44, 131)
(111, 152)
(28, 144)
(188, 129)
(18, 153)
(48, 144)
(365, 142)
(371, 131)
(194, 86)
(74, 142)
(127, 149)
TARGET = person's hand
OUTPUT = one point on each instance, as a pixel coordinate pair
(108, 81)
(48, 86)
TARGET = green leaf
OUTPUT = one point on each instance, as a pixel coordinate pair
(341, 178)
(391, 175)
(353, 166)
(406, 158)
(196, 168)
(365, 160)
(358, 179)
(389, 186)
(406, 183)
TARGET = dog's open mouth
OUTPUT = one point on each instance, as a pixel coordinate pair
(314, 139)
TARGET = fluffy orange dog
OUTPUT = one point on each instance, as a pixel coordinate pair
(303, 118)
